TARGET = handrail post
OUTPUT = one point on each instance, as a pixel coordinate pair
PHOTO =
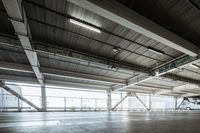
(81, 104)
(18, 104)
(95, 104)
(65, 104)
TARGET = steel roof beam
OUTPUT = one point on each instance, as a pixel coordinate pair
(181, 88)
(81, 76)
(151, 87)
(60, 73)
(184, 60)
(170, 66)
(63, 84)
(180, 78)
(117, 13)
(130, 19)
(10, 66)
(18, 19)
(84, 58)
(186, 87)
(190, 95)
(76, 85)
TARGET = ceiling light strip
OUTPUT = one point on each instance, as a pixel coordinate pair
(84, 25)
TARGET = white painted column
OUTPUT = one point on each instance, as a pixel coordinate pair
(109, 100)
(44, 99)
(150, 102)
(175, 103)
(121, 96)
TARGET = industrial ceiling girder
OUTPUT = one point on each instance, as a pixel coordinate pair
(60, 73)
(129, 68)
(18, 19)
(136, 22)
(29, 80)
(27, 69)
(116, 12)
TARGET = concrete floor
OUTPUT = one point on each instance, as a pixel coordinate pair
(100, 122)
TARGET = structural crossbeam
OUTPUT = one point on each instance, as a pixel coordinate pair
(121, 100)
(144, 75)
(59, 83)
(162, 70)
(181, 103)
(116, 12)
(18, 19)
(60, 73)
(19, 96)
(141, 102)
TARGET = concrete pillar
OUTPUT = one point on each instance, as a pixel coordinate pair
(65, 104)
(95, 104)
(81, 104)
(175, 103)
(43, 96)
(150, 102)
(109, 100)
(18, 104)
(121, 96)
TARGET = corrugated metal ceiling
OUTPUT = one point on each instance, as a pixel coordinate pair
(72, 65)
(13, 54)
(50, 27)
(5, 24)
(78, 38)
(77, 81)
(179, 16)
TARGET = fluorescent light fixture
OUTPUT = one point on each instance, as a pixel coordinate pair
(194, 66)
(84, 25)
(155, 51)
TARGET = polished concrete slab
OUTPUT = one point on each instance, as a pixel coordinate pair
(100, 122)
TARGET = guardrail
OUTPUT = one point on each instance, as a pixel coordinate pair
(56, 103)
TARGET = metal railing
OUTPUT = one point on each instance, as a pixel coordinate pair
(54, 103)
(76, 104)
(9, 102)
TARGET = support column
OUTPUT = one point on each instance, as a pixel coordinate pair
(43, 96)
(121, 96)
(81, 104)
(175, 103)
(109, 100)
(18, 104)
(65, 104)
(95, 104)
(150, 102)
